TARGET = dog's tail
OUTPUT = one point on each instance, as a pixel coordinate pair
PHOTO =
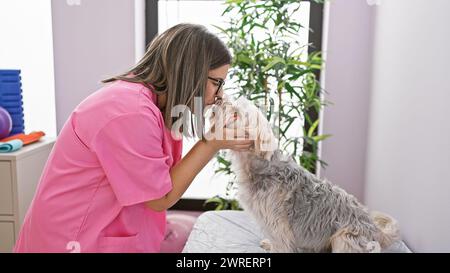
(388, 226)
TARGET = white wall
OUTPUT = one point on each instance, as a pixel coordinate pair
(139, 29)
(408, 167)
(387, 72)
(93, 39)
(348, 52)
(26, 44)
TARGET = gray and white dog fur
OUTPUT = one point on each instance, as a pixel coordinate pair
(297, 211)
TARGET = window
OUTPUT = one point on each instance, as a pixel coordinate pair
(167, 13)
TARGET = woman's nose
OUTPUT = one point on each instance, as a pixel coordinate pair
(220, 93)
(218, 98)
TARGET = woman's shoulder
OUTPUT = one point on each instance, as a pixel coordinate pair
(118, 98)
(116, 101)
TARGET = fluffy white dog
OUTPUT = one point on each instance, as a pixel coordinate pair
(297, 211)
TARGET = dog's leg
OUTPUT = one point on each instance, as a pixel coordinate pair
(271, 247)
(388, 227)
(373, 247)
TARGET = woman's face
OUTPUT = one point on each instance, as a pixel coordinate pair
(215, 76)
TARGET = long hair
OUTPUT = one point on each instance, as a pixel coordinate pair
(177, 63)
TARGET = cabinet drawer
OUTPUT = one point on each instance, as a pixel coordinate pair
(6, 200)
(6, 237)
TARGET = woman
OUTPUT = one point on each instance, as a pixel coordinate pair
(115, 167)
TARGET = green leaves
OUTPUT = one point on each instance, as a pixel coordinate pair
(272, 62)
(221, 203)
(242, 58)
(320, 138)
(234, 1)
(270, 67)
(224, 165)
(313, 128)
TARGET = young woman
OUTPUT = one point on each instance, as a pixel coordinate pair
(115, 167)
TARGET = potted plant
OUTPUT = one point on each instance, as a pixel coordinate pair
(272, 68)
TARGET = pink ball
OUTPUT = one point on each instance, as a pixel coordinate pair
(5, 123)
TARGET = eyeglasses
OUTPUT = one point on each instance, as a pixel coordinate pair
(220, 83)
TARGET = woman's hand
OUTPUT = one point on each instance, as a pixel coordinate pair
(190, 165)
(230, 139)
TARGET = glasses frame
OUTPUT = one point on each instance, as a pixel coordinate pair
(219, 81)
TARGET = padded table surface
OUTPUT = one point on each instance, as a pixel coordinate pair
(236, 232)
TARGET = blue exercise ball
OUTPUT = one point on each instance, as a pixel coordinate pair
(5, 123)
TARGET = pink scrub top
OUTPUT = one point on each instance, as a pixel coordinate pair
(113, 154)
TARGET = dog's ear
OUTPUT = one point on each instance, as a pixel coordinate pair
(265, 143)
(221, 116)
(211, 112)
(257, 127)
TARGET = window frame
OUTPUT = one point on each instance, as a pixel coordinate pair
(315, 39)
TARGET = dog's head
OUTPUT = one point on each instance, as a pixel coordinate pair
(246, 118)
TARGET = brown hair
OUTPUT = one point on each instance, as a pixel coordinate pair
(177, 63)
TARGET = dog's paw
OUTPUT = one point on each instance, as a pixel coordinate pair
(266, 245)
(373, 247)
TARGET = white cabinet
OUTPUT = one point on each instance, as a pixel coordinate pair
(6, 236)
(20, 172)
(6, 201)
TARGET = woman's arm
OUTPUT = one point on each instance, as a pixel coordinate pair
(184, 172)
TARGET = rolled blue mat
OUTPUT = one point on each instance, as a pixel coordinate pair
(10, 146)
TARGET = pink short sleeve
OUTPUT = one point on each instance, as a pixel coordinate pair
(130, 151)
